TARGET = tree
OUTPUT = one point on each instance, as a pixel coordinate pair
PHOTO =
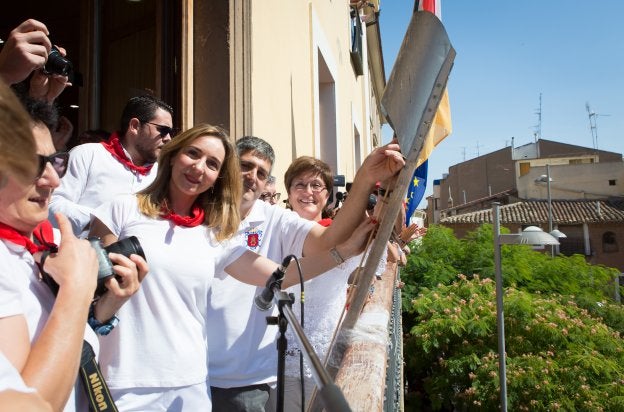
(563, 334)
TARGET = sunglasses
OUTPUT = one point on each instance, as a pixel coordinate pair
(266, 196)
(162, 129)
(58, 161)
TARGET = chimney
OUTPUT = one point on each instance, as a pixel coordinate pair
(598, 211)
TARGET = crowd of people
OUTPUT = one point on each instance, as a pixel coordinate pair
(170, 324)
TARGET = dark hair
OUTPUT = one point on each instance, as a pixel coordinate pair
(257, 146)
(41, 111)
(143, 108)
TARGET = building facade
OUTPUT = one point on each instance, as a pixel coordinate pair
(586, 193)
(307, 76)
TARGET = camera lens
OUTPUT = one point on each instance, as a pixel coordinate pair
(57, 64)
(126, 247)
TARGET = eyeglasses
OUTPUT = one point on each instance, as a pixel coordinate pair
(315, 186)
(58, 161)
(162, 129)
(270, 196)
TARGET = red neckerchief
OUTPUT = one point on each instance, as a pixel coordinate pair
(196, 218)
(325, 222)
(114, 147)
(43, 233)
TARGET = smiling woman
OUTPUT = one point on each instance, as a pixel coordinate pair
(309, 182)
(184, 221)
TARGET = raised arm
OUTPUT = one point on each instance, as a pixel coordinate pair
(382, 164)
(25, 50)
(247, 267)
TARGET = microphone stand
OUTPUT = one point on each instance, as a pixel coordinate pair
(330, 394)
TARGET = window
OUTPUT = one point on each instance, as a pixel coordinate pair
(356, 43)
(611, 182)
(571, 245)
(609, 242)
(524, 168)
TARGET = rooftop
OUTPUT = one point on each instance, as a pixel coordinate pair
(565, 212)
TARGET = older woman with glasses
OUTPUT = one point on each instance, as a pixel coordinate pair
(156, 359)
(309, 182)
(42, 334)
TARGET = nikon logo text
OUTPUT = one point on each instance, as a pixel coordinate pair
(96, 386)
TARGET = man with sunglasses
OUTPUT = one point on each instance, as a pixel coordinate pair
(42, 333)
(126, 163)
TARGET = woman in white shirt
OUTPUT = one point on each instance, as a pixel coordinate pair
(157, 357)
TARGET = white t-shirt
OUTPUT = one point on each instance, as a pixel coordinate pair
(10, 379)
(93, 177)
(241, 345)
(160, 340)
(21, 293)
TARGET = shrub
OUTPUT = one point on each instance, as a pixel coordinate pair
(559, 356)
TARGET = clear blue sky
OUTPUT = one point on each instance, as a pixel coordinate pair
(508, 52)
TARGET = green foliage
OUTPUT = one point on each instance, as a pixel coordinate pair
(563, 331)
(559, 356)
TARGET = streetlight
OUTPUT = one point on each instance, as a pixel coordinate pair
(532, 235)
(555, 233)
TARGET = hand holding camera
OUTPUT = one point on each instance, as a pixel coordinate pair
(119, 281)
(74, 267)
(47, 84)
(25, 50)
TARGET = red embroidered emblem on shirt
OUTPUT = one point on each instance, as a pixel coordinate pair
(252, 240)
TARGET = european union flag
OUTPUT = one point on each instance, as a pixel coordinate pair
(416, 190)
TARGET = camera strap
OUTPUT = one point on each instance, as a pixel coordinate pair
(93, 382)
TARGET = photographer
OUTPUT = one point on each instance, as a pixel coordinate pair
(42, 334)
(28, 50)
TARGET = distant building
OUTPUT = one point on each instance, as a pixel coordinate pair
(586, 189)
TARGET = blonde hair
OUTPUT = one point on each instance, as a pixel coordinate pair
(221, 202)
(17, 144)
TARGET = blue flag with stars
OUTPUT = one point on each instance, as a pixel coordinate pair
(416, 190)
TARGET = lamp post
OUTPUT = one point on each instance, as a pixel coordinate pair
(555, 233)
(531, 235)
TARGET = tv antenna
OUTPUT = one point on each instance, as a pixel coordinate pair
(538, 126)
(593, 126)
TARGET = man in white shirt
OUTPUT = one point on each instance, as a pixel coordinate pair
(98, 172)
(242, 352)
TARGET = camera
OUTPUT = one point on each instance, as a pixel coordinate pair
(126, 247)
(57, 64)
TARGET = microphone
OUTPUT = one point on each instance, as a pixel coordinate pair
(264, 301)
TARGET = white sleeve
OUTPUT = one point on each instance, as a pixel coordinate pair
(117, 213)
(10, 296)
(294, 230)
(66, 197)
(10, 378)
(227, 252)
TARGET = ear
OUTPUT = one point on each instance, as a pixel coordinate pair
(134, 125)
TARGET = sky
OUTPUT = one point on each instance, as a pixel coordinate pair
(508, 54)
